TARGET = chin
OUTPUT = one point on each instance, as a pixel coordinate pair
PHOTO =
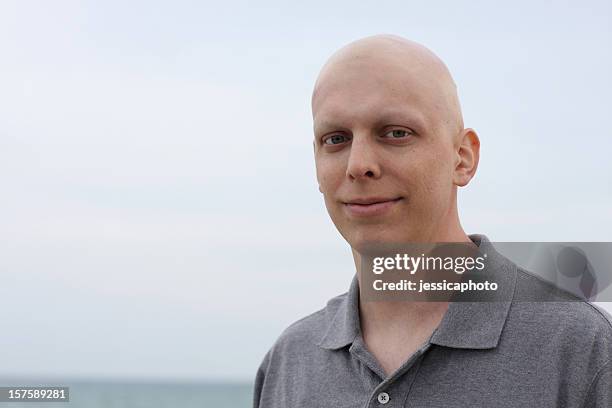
(368, 237)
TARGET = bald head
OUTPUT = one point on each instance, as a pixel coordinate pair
(396, 67)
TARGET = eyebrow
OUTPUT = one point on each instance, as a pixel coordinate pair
(322, 126)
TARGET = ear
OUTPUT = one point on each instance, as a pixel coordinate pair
(467, 157)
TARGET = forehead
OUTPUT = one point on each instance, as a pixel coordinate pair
(371, 111)
(363, 91)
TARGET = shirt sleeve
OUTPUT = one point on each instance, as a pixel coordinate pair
(599, 394)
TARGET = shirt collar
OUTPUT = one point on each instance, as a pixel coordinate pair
(342, 319)
(468, 325)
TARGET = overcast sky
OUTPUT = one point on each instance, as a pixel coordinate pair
(160, 216)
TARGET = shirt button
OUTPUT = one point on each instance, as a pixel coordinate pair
(383, 398)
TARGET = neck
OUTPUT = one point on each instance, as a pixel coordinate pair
(395, 317)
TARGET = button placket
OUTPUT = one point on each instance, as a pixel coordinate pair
(407, 372)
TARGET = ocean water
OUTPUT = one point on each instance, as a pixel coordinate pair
(144, 395)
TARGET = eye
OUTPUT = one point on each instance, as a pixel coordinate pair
(335, 139)
(398, 134)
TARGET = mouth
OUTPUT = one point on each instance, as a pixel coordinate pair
(367, 207)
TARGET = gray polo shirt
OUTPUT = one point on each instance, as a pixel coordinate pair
(483, 354)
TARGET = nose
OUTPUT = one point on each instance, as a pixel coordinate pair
(363, 162)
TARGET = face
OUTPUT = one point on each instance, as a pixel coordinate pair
(385, 154)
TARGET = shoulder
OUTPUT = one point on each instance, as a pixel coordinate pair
(565, 308)
(559, 322)
(310, 329)
(303, 335)
(295, 358)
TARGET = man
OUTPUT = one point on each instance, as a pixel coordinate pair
(391, 150)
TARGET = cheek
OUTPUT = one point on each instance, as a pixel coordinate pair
(439, 186)
(427, 178)
(329, 175)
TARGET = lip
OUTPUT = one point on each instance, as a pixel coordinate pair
(369, 207)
